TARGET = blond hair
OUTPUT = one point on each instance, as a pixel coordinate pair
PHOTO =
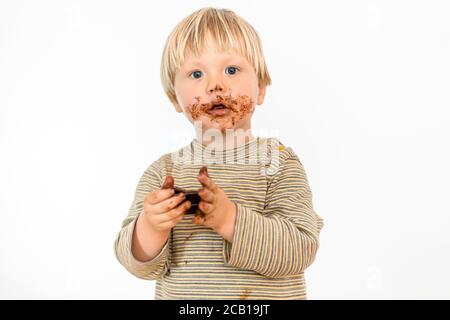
(226, 28)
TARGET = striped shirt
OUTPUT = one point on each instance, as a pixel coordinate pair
(276, 235)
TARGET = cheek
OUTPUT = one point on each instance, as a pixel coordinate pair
(245, 105)
(190, 104)
(196, 108)
(246, 99)
(186, 95)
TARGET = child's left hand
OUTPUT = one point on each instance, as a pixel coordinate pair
(219, 211)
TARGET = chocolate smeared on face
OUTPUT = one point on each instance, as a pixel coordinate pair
(238, 107)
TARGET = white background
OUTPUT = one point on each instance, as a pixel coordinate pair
(360, 92)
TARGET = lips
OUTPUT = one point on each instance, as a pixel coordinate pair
(218, 108)
(219, 111)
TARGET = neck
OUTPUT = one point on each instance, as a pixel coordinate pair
(230, 140)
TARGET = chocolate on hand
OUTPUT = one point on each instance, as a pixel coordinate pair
(168, 183)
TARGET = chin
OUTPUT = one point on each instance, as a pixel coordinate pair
(232, 122)
(218, 126)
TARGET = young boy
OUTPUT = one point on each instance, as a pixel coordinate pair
(254, 231)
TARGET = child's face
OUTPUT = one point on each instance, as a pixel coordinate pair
(218, 77)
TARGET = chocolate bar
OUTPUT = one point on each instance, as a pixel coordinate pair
(192, 196)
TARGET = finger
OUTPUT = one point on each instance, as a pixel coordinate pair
(198, 220)
(176, 213)
(168, 183)
(203, 170)
(158, 196)
(169, 204)
(165, 192)
(206, 181)
(206, 195)
(205, 207)
(168, 224)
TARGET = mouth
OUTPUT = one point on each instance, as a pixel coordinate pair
(223, 109)
(218, 108)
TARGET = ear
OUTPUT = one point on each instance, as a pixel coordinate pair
(261, 94)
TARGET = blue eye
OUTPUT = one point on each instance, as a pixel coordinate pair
(199, 73)
(233, 70)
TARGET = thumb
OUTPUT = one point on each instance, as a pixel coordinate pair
(168, 183)
(203, 170)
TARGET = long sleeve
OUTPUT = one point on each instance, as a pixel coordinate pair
(284, 238)
(157, 267)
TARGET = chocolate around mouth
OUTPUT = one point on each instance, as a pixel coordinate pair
(223, 103)
(238, 107)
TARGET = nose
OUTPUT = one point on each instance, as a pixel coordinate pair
(216, 85)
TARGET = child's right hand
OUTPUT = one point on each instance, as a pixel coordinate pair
(162, 209)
